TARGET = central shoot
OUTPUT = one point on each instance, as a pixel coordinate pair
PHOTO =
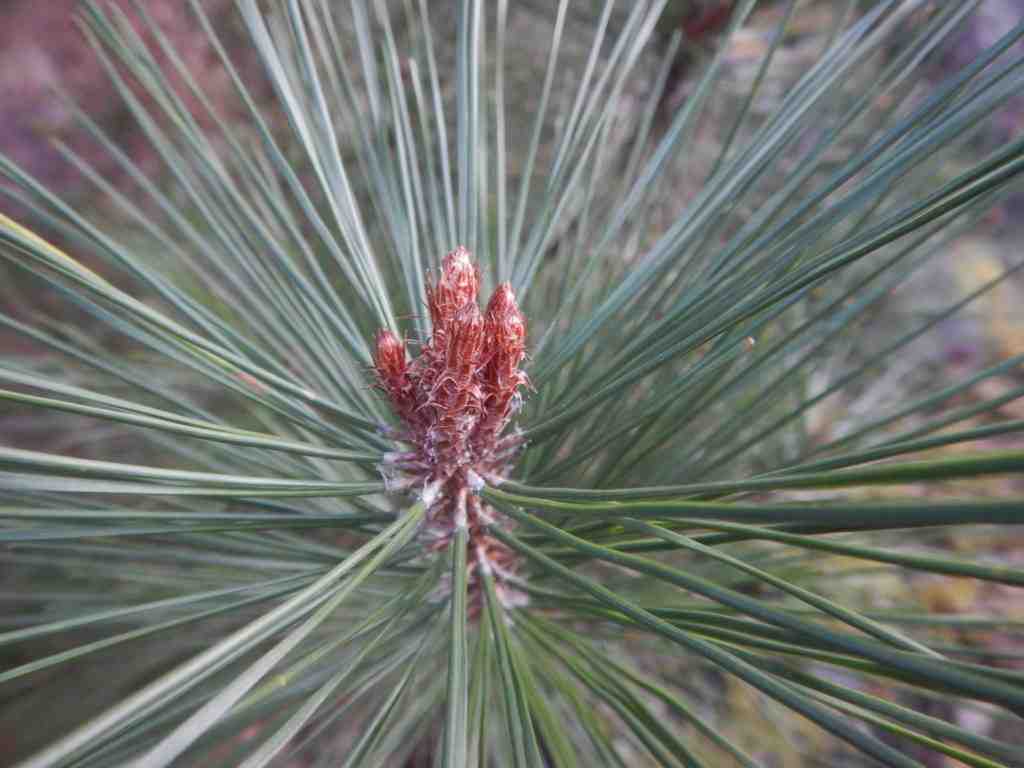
(454, 402)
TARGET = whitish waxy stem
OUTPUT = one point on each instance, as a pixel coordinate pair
(454, 401)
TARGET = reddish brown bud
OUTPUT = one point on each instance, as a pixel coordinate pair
(393, 374)
(389, 357)
(504, 313)
(506, 331)
(460, 276)
(506, 324)
(456, 288)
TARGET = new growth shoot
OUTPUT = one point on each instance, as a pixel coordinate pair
(455, 401)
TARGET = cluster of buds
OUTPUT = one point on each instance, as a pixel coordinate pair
(454, 401)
